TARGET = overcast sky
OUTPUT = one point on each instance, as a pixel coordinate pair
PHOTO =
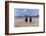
(23, 12)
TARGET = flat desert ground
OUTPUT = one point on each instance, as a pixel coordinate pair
(20, 22)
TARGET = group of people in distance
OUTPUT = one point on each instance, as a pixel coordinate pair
(26, 19)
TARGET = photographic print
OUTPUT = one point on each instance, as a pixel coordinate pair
(26, 17)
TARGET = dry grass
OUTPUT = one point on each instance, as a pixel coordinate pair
(21, 22)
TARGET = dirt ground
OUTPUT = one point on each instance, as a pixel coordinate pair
(20, 22)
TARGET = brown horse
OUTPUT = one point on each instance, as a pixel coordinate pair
(26, 19)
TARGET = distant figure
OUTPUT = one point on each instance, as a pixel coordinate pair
(30, 19)
(26, 19)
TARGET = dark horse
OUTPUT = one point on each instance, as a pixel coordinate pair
(30, 19)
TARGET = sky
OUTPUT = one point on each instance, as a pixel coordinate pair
(25, 12)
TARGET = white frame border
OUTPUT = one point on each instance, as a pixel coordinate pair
(18, 31)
